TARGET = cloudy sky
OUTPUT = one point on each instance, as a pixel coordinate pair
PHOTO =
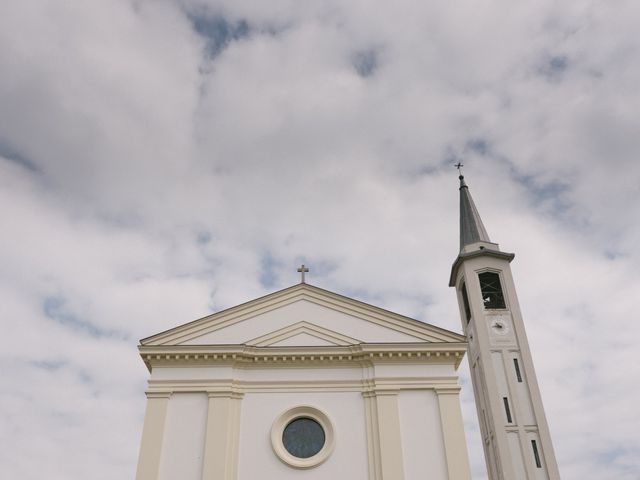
(161, 160)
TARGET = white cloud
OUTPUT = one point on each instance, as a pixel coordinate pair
(143, 182)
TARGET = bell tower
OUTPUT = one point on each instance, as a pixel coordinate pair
(515, 435)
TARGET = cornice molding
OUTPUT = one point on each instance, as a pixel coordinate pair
(484, 252)
(238, 355)
(368, 387)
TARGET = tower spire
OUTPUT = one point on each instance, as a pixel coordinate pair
(471, 227)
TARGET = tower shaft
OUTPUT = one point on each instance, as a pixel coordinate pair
(515, 434)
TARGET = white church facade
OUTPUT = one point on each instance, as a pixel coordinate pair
(309, 384)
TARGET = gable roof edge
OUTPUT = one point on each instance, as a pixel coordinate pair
(337, 299)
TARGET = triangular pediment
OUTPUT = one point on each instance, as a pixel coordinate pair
(303, 315)
(302, 333)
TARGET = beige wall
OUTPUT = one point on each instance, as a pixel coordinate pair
(389, 421)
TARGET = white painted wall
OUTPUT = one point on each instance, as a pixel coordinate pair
(521, 391)
(337, 390)
(346, 411)
(183, 446)
(302, 339)
(422, 442)
(299, 374)
(192, 373)
(390, 370)
(516, 454)
(301, 310)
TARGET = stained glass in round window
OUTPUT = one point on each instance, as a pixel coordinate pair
(303, 437)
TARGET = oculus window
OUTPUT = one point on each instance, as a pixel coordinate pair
(302, 437)
(491, 288)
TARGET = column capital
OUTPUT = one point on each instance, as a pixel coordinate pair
(155, 394)
(225, 394)
(448, 390)
(379, 392)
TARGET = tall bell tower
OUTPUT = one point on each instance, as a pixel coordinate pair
(515, 435)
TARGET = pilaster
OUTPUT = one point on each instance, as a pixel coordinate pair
(455, 444)
(373, 438)
(385, 438)
(221, 440)
(152, 436)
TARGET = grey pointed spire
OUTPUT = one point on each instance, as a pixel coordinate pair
(471, 228)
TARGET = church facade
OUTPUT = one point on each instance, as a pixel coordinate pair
(308, 384)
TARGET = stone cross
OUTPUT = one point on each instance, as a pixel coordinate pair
(302, 270)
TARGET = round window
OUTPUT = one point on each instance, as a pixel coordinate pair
(302, 437)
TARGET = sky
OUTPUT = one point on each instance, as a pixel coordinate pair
(162, 160)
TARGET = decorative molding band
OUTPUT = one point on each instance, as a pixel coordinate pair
(448, 353)
(238, 388)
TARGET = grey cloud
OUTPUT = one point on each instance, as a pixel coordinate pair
(553, 196)
(269, 270)
(365, 62)
(218, 31)
(204, 237)
(49, 365)
(56, 308)
(479, 146)
(11, 155)
(554, 67)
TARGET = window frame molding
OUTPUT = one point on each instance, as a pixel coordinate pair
(302, 411)
(505, 296)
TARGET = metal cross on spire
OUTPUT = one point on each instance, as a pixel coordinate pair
(459, 166)
(302, 270)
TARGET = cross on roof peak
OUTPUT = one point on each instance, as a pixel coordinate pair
(302, 270)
